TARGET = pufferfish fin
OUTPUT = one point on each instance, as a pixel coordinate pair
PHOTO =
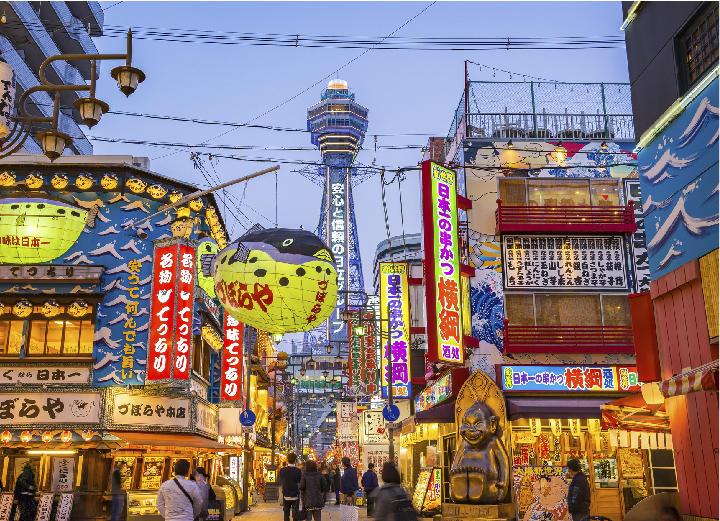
(205, 262)
(257, 227)
(324, 255)
(241, 255)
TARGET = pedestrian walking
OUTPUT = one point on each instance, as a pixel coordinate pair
(328, 480)
(369, 483)
(578, 491)
(336, 482)
(178, 498)
(117, 492)
(24, 494)
(313, 486)
(349, 481)
(391, 501)
(290, 477)
(206, 491)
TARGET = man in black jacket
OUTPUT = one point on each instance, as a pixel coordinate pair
(289, 477)
(578, 492)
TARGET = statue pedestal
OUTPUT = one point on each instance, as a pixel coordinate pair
(458, 512)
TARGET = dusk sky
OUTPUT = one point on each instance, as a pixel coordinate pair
(410, 94)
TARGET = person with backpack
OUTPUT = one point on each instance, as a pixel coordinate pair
(313, 486)
(369, 483)
(391, 501)
(179, 499)
(206, 491)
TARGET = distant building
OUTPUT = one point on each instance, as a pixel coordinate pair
(34, 31)
(672, 50)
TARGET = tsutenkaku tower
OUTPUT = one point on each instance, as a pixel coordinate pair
(338, 126)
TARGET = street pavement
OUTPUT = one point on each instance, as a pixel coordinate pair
(272, 511)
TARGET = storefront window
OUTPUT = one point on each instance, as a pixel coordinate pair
(556, 192)
(59, 338)
(512, 192)
(10, 337)
(605, 193)
(566, 309)
(520, 309)
(616, 310)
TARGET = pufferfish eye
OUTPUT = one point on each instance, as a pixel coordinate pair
(287, 242)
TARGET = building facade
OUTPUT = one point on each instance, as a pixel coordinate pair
(673, 64)
(35, 31)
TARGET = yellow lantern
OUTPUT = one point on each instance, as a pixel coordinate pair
(109, 181)
(25, 436)
(593, 426)
(37, 228)
(7, 178)
(87, 435)
(175, 196)
(79, 308)
(84, 181)
(22, 308)
(575, 427)
(66, 437)
(536, 426)
(59, 181)
(156, 191)
(50, 309)
(196, 205)
(277, 280)
(206, 251)
(34, 180)
(136, 185)
(2, 308)
(556, 427)
(5, 437)
(47, 436)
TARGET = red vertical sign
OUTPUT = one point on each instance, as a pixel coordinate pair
(162, 323)
(231, 387)
(185, 288)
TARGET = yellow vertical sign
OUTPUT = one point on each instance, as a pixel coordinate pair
(395, 327)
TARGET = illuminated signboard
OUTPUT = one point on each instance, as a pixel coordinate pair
(436, 393)
(442, 264)
(232, 361)
(171, 312)
(363, 371)
(395, 317)
(568, 378)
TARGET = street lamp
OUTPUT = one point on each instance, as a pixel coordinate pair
(277, 338)
(91, 109)
(310, 364)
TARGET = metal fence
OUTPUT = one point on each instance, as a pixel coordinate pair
(540, 110)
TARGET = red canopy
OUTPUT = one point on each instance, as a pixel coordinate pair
(703, 378)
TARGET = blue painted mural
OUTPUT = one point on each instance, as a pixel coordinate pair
(679, 182)
(108, 239)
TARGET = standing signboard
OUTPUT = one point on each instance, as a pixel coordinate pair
(442, 264)
(44, 507)
(6, 502)
(395, 318)
(64, 507)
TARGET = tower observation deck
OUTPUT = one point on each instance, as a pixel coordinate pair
(338, 124)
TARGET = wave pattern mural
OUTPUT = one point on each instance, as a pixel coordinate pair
(679, 182)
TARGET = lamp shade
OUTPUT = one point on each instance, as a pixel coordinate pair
(53, 143)
(127, 78)
(91, 110)
(36, 228)
(277, 280)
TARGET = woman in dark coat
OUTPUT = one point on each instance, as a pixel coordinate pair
(336, 482)
(313, 486)
(24, 494)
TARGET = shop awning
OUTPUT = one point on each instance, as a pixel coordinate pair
(440, 414)
(634, 413)
(169, 439)
(554, 408)
(703, 378)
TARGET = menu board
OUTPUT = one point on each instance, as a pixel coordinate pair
(421, 487)
(152, 472)
(127, 470)
(631, 463)
(433, 499)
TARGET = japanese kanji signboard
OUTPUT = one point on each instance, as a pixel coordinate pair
(374, 429)
(171, 313)
(130, 409)
(231, 387)
(339, 242)
(364, 371)
(63, 474)
(41, 408)
(395, 319)
(442, 264)
(558, 262)
(638, 241)
(347, 421)
(44, 375)
(522, 378)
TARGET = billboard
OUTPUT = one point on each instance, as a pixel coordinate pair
(442, 264)
(231, 379)
(395, 319)
(364, 373)
(549, 378)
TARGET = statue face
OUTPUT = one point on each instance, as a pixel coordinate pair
(479, 425)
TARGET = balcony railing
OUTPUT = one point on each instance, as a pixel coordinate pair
(616, 127)
(544, 219)
(567, 339)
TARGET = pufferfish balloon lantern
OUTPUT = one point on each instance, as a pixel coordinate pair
(277, 280)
